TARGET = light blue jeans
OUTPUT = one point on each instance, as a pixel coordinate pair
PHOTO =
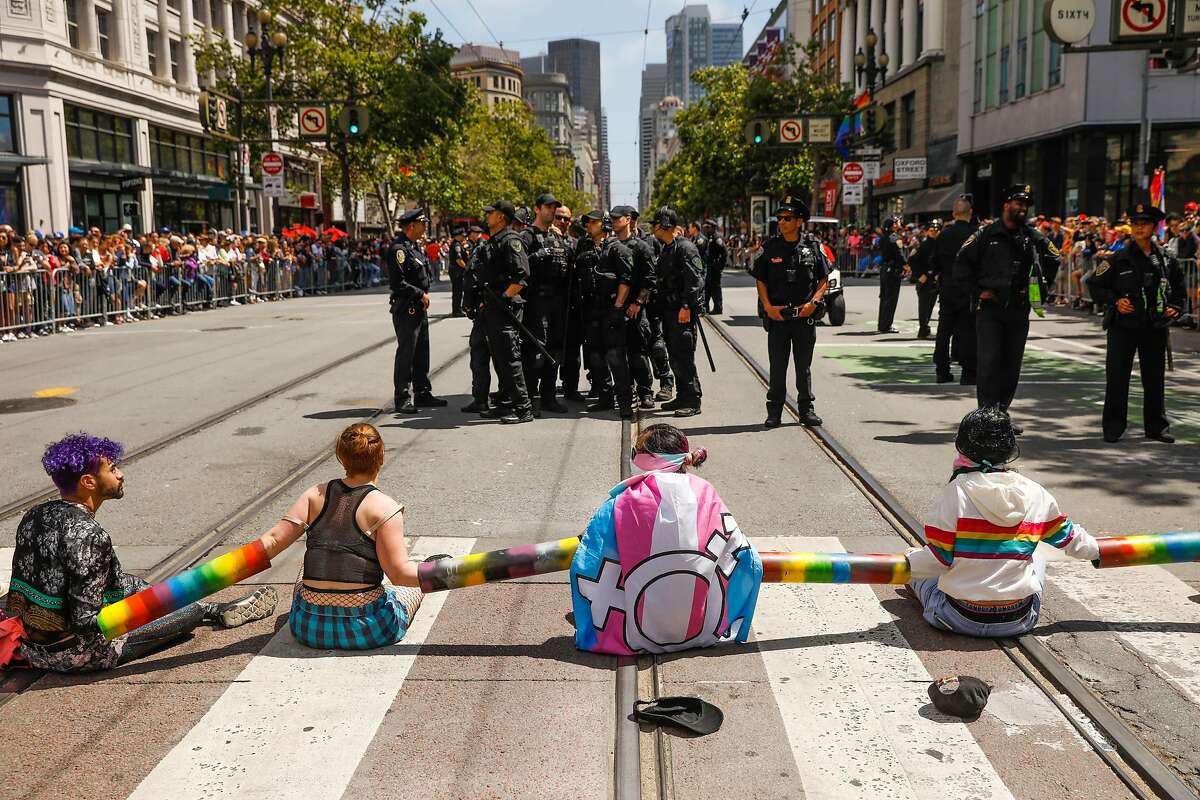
(943, 616)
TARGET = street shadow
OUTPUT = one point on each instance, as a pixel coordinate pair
(342, 413)
(720, 430)
(1072, 626)
(742, 321)
(930, 712)
(919, 437)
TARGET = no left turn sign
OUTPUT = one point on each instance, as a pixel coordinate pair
(314, 121)
(791, 131)
(1142, 18)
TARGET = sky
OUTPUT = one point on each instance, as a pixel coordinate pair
(616, 24)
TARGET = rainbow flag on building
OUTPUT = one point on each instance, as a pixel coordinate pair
(1158, 196)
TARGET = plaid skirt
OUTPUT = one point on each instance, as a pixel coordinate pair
(380, 623)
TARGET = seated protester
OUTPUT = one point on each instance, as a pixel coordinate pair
(65, 570)
(980, 573)
(355, 539)
(687, 576)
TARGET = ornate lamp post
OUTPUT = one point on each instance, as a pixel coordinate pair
(868, 67)
(266, 47)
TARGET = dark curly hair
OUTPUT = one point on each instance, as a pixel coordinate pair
(986, 436)
(79, 454)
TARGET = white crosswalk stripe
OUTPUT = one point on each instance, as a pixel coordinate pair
(296, 721)
(851, 706)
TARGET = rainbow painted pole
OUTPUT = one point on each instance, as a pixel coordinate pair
(497, 565)
(183, 589)
(834, 568)
(1149, 548)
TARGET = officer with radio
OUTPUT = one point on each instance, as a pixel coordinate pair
(1143, 287)
(408, 276)
(546, 306)
(792, 276)
(891, 275)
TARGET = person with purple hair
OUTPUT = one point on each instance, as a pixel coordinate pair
(65, 570)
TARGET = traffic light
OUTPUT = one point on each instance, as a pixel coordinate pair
(759, 132)
(214, 112)
(354, 121)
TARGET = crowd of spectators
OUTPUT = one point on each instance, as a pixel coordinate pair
(63, 282)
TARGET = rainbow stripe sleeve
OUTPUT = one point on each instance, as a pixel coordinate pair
(183, 589)
(1061, 534)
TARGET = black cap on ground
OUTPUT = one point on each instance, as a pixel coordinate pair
(960, 696)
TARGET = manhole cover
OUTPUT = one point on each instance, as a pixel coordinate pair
(24, 405)
(229, 328)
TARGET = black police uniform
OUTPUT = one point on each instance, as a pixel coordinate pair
(481, 354)
(660, 360)
(638, 335)
(460, 259)
(408, 275)
(505, 262)
(791, 272)
(956, 312)
(545, 310)
(1152, 283)
(716, 257)
(701, 242)
(1003, 261)
(588, 263)
(921, 264)
(573, 345)
(891, 275)
(681, 284)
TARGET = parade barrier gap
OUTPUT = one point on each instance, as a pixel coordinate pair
(539, 559)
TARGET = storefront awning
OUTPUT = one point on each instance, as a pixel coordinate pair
(107, 170)
(13, 160)
(932, 201)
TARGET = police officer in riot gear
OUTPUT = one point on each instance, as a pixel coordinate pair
(480, 354)
(660, 361)
(409, 277)
(1006, 267)
(891, 275)
(637, 327)
(504, 272)
(589, 256)
(1143, 287)
(792, 276)
(681, 292)
(956, 310)
(546, 301)
(715, 255)
(924, 275)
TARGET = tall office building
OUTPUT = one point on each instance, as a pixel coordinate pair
(579, 60)
(654, 87)
(726, 43)
(694, 42)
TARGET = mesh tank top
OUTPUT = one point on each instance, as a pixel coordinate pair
(339, 550)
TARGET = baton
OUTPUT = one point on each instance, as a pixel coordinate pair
(704, 340)
(541, 347)
(1170, 353)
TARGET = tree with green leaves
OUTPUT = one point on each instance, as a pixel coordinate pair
(715, 169)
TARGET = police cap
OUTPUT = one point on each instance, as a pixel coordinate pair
(546, 199)
(1021, 191)
(592, 216)
(623, 211)
(504, 207)
(477, 229)
(413, 215)
(935, 225)
(711, 222)
(791, 204)
(524, 216)
(665, 218)
(1145, 212)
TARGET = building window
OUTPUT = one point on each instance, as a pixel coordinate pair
(152, 49)
(908, 122)
(980, 47)
(216, 14)
(889, 111)
(1022, 47)
(1054, 73)
(1037, 66)
(174, 47)
(993, 53)
(8, 142)
(102, 31)
(73, 23)
(920, 29)
(176, 151)
(97, 136)
(1004, 74)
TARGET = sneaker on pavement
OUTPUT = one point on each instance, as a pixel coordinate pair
(517, 418)
(406, 407)
(647, 401)
(259, 604)
(809, 418)
(665, 393)
(772, 422)
(687, 410)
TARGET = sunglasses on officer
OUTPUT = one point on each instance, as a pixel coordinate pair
(786, 218)
(562, 217)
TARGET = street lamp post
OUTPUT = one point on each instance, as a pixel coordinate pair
(266, 47)
(867, 67)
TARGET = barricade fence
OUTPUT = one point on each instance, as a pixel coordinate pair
(40, 301)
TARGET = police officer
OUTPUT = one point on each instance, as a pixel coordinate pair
(1143, 287)
(792, 276)
(956, 312)
(504, 272)
(637, 328)
(716, 257)
(1006, 267)
(924, 275)
(660, 361)
(409, 276)
(891, 275)
(546, 300)
(681, 284)
(480, 353)
(572, 360)
(596, 295)
(460, 258)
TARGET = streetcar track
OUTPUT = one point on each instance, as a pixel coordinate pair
(627, 753)
(1041, 665)
(203, 544)
(23, 504)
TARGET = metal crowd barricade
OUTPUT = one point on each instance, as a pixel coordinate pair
(26, 302)
(1191, 283)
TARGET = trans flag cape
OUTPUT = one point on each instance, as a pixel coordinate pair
(663, 567)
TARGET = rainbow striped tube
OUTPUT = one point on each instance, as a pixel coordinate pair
(497, 565)
(183, 589)
(834, 568)
(1148, 548)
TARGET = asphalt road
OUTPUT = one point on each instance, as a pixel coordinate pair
(487, 696)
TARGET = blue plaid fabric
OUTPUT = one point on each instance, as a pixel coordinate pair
(378, 624)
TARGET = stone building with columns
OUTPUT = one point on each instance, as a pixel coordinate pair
(99, 122)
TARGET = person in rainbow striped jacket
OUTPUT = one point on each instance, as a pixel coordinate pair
(980, 573)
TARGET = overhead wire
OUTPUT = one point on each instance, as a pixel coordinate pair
(448, 20)
(486, 27)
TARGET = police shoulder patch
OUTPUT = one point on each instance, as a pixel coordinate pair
(1103, 268)
(399, 256)
(970, 239)
(1050, 246)
(515, 244)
